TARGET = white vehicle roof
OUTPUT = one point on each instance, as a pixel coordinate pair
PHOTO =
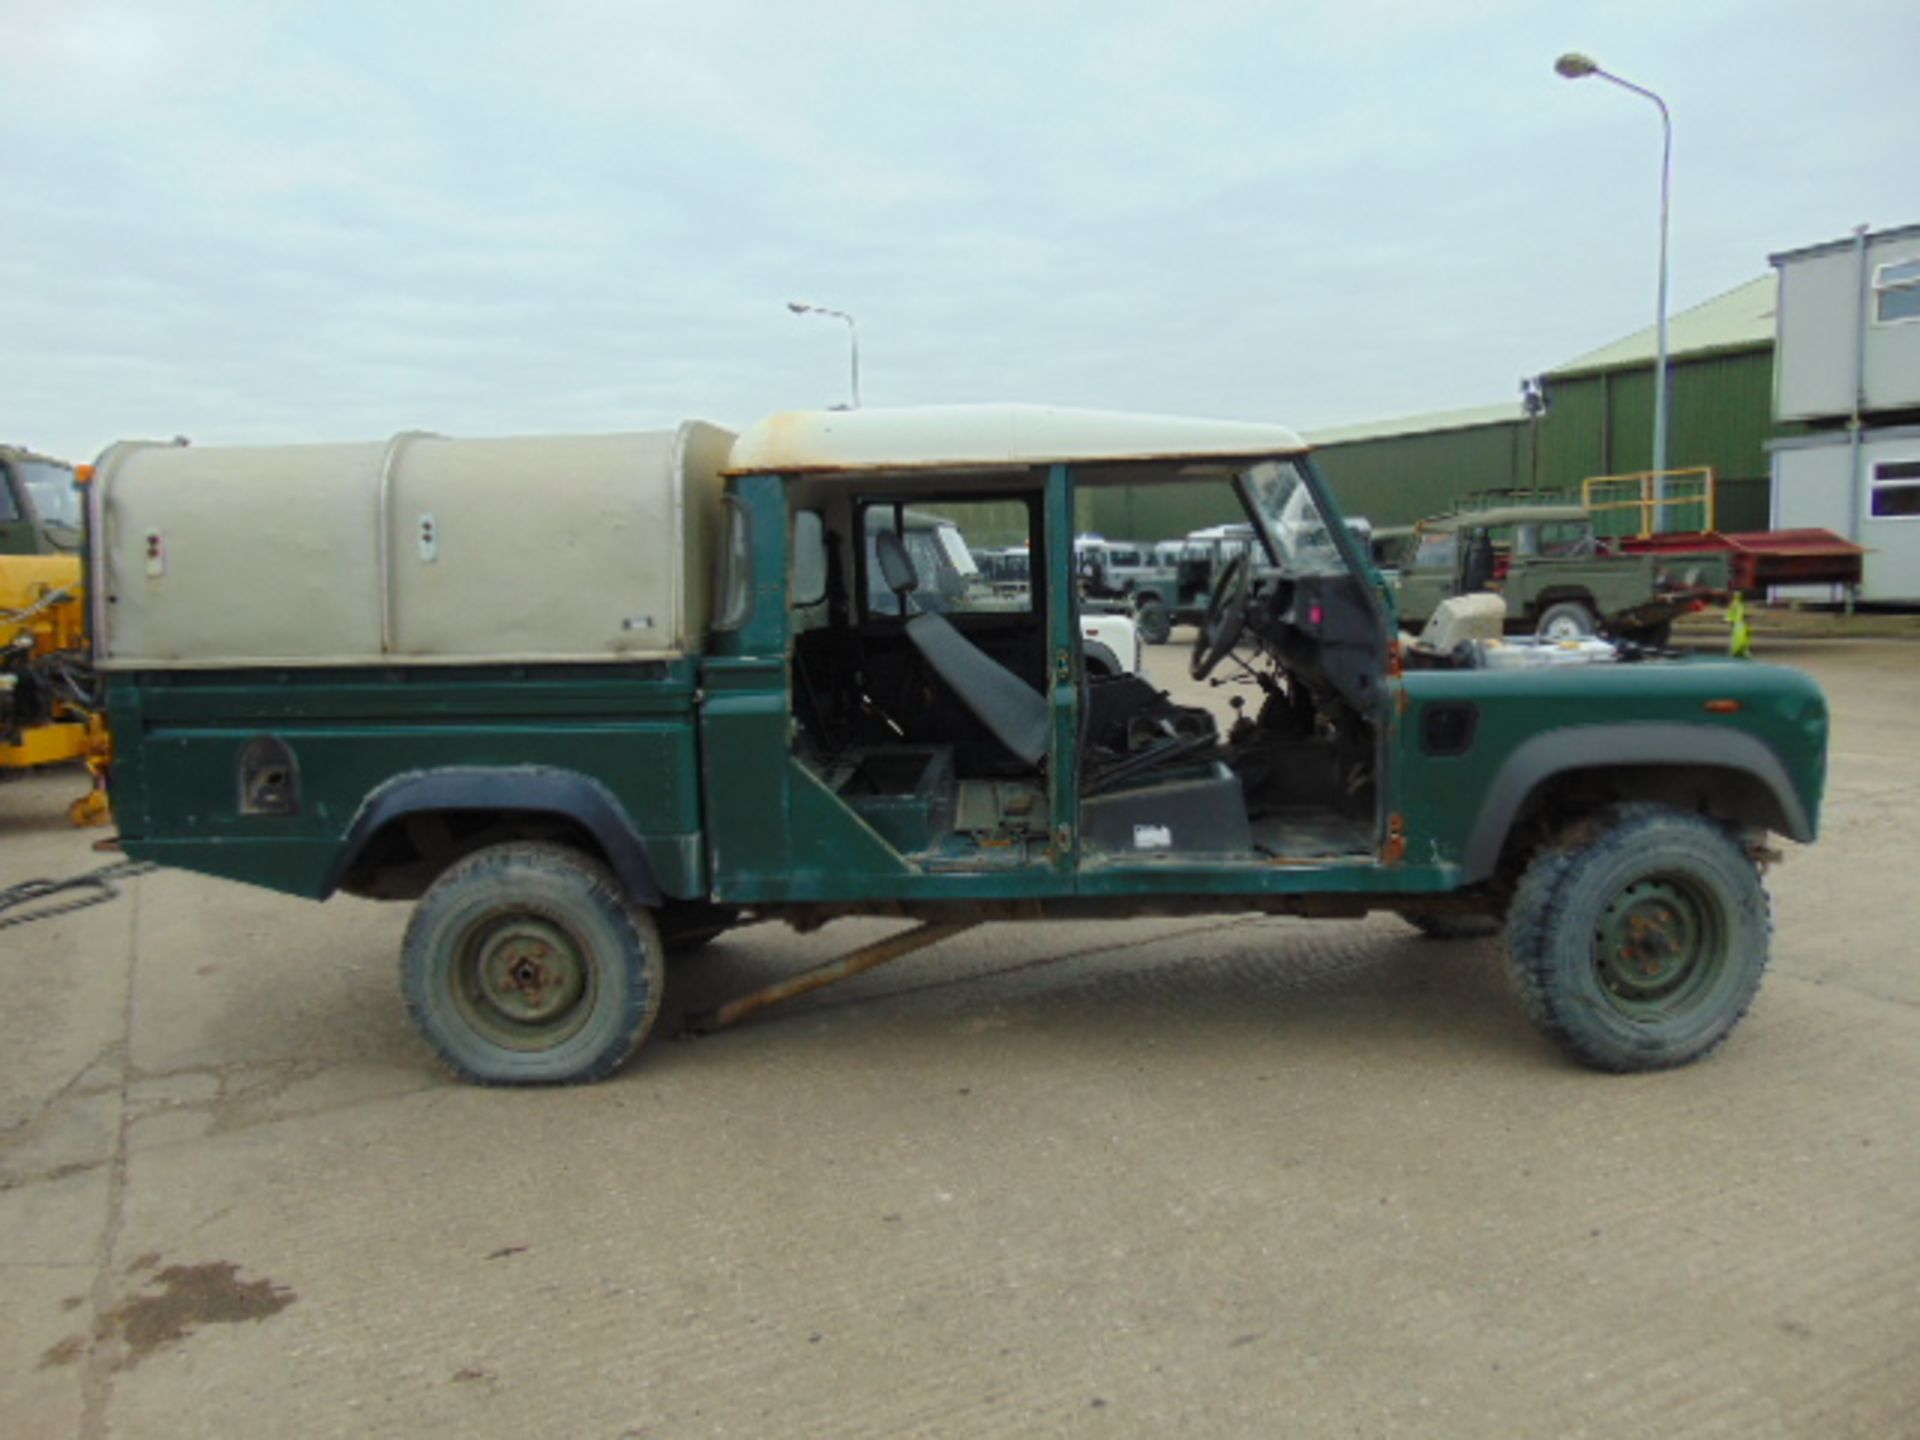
(989, 435)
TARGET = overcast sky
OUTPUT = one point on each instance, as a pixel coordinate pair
(256, 221)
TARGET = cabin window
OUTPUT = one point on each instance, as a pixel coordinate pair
(1896, 490)
(733, 582)
(807, 574)
(1437, 550)
(939, 539)
(1896, 291)
(1565, 539)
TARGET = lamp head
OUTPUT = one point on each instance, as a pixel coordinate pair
(1575, 66)
(798, 307)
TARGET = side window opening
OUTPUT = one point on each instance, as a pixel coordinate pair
(1897, 292)
(1436, 550)
(1895, 491)
(943, 538)
(807, 567)
(733, 576)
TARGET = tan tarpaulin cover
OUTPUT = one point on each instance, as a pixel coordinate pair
(592, 547)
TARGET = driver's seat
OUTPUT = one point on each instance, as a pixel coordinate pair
(1013, 710)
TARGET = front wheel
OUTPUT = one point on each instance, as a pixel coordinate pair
(526, 964)
(1639, 945)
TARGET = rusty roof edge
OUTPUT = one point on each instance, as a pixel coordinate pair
(991, 437)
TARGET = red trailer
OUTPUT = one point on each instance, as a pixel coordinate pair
(1763, 558)
(1756, 559)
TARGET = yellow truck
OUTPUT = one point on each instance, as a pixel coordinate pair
(46, 714)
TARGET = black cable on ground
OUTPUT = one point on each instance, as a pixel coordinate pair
(96, 887)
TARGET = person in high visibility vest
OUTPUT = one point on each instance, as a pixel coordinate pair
(1740, 644)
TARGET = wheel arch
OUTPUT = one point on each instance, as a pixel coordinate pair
(475, 806)
(1100, 659)
(1564, 595)
(1731, 776)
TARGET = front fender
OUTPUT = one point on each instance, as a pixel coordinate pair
(1599, 747)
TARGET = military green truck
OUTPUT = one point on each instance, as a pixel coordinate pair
(585, 735)
(1559, 578)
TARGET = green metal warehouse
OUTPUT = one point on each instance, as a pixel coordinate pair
(1598, 420)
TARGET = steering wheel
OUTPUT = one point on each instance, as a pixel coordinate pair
(1226, 617)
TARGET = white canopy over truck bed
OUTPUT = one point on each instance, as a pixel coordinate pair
(420, 550)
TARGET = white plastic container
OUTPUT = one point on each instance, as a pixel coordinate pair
(1531, 654)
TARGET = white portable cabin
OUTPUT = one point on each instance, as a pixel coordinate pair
(1848, 337)
(418, 550)
(1864, 486)
(1847, 362)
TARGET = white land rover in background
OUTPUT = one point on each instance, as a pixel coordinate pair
(951, 579)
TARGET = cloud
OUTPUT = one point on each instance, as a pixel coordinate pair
(250, 221)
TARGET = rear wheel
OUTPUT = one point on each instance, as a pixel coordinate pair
(525, 964)
(1567, 620)
(1641, 944)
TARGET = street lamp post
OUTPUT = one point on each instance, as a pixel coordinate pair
(1575, 66)
(800, 307)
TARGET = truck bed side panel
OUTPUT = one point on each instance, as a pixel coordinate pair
(179, 740)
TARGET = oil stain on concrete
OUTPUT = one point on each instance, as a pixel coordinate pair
(184, 1298)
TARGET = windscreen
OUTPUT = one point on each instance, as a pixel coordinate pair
(55, 496)
(1290, 518)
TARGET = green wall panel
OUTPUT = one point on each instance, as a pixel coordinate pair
(1596, 424)
(1720, 416)
(1397, 479)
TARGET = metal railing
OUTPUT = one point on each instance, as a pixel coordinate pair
(1654, 501)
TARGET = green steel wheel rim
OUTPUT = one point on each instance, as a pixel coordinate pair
(1660, 947)
(524, 982)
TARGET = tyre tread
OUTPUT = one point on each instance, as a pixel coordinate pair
(643, 1000)
(1538, 912)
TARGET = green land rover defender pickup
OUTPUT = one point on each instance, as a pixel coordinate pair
(1558, 577)
(589, 701)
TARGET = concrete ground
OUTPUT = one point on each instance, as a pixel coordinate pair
(1264, 1177)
